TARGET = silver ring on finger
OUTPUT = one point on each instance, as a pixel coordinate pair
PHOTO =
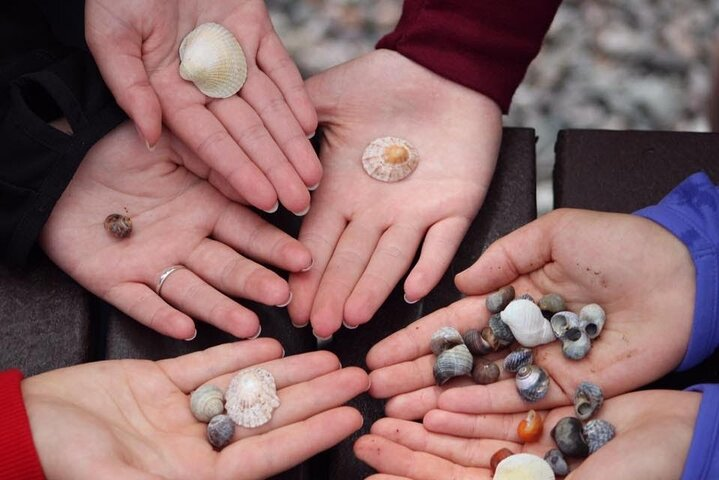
(165, 275)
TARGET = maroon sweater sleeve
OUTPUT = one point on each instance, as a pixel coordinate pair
(485, 45)
(18, 458)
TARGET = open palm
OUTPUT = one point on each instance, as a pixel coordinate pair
(131, 418)
(364, 233)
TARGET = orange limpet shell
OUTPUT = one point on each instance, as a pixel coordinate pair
(530, 429)
(389, 159)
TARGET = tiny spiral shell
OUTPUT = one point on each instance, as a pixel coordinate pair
(207, 402)
(444, 338)
(453, 362)
(588, 398)
(532, 382)
(118, 225)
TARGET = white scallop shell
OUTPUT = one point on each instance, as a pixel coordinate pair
(523, 466)
(251, 397)
(212, 59)
(527, 323)
(389, 159)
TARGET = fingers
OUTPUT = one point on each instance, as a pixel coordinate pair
(390, 260)
(268, 102)
(256, 457)
(192, 370)
(246, 232)
(499, 427)
(250, 133)
(389, 457)
(440, 245)
(139, 302)
(274, 60)
(522, 251)
(347, 264)
(207, 137)
(413, 405)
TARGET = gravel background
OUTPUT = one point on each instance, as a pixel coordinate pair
(611, 64)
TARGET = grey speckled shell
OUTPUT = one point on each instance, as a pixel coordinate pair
(598, 432)
(517, 359)
(444, 338)
(588, 398)
(556, 460)
(532, 382)
(501, 330)
(591, 319)
(453, 362)
(207, 402)
(576, 349)
(252, 397)
(563, 321)
(497, 301)
(568, 434)
(220, 430)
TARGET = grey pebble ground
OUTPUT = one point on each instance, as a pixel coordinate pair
(610, 64)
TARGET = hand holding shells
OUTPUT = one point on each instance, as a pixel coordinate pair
(194, 65)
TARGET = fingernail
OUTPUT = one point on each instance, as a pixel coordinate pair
(308, 267)
(299, 325)
(369, 384)
(311, 135)
(192, 337)
(150, 147)
(286, 303)
(303, 212)
(348, 326)
(322, 343)
(322, 339)
(283, 353)
(274, 208)
(259, 330)
(410, 301)
(313, 187)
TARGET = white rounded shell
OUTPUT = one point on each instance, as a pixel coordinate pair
(212, 59)
(527, 323)
(251, 397)
(389, 159)
(207, 402)
(523, 466)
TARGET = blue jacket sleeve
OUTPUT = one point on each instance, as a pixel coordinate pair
(702, 460)
(691, 213)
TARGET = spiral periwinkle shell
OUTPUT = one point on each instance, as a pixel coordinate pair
(527, 323)
(523, 466)
(556, 460)
(453, 362)
(485, 371)
(476, 344)
(501, 330)
(220, 430)
(206, 402)
(444, 338)
(532, 382)
(591, 320)
(518, 359)
(212, 59)
(389, 159)
(118, 225)
(568, 434)
(588, 399)
(562, 322)
(550, 304)
(576, 344)
(252, 397)
(497, 301)
(597, 433)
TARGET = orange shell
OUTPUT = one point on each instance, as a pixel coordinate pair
(530, 429)
(498, 456)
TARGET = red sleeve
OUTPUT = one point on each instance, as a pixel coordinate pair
(485, 45)
(18, 458)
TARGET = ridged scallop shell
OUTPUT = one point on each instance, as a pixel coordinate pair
(523, 466)
(118, 225)
(598, 432)
(475, 343)
(207, 402)
(251, 397)
(389, 159)
(532, 382)
(576, 344)
(212, 59)
(551, 303)
(563, 321)
(453, 362)
(220, 430)
(501, 330)
(527, 323)
(556, 460)
(588, 398)
(485, 372)
(497, 301)
(517, 359)
(444, 338)
(591, 319)
(568, 434)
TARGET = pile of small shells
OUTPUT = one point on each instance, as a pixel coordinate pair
(250, 401)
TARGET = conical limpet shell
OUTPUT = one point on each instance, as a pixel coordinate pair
(523, 466)
(212, 59)
(251, 397)
(389, 159)
(444, 338)
(207, 402)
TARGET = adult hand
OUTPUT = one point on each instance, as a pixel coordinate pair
(363, 233)
(451, 445)
(177, 218)
(131, 418)
(254, 140)
(640, 273)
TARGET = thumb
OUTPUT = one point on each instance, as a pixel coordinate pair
(323, 93)
(522, 251)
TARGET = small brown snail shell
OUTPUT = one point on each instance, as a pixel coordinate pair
(530, 428)
(498, 456)
(484, 371)
(119, 225)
